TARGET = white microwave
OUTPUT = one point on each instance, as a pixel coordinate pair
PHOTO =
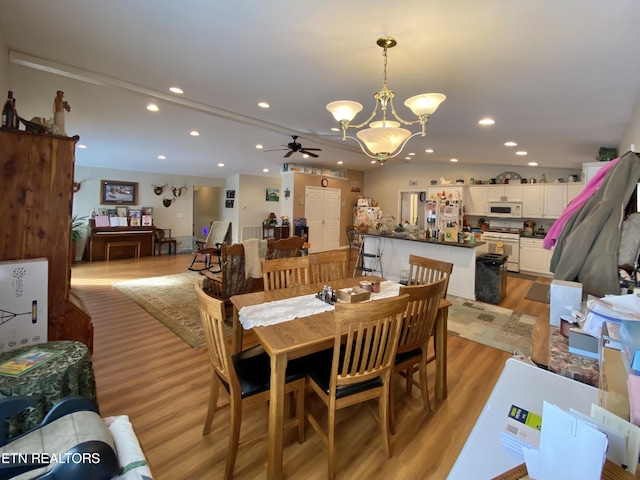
(505, 210)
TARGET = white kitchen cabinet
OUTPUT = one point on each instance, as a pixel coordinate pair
(533, 256)
(476, 200)
(555, 200)
(589, 169)
(573, 190)
(533, 201)
(504, 193)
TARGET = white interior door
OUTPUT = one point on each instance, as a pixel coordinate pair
(322, 211)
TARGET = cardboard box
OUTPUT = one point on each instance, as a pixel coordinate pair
(564, 297)
(352, 295)
(23, 303)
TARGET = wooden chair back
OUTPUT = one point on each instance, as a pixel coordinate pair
(212, 315)
(372, 330)
(285, 247)
(285, 272)
(426, 270)
(421, 314)
(328, 266)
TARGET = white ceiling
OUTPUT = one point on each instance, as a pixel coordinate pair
(559, 77)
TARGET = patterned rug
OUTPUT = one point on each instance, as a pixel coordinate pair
(172, 300)
(491, 325)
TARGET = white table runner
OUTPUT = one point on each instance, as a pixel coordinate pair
(279, 311)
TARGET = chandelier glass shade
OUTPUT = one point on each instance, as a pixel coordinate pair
(385, 139)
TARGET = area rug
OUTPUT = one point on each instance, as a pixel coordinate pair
(538, 292)
(172, 300)
(491, 325)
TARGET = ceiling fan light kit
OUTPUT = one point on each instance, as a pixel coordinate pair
(385, 139)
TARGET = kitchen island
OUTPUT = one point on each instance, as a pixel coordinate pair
(395, 251)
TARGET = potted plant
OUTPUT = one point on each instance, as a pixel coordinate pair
(78, 231)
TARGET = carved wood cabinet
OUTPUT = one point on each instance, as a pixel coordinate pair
(36, 180)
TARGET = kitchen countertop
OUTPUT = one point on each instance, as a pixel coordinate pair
(466, 244)
(535, 235)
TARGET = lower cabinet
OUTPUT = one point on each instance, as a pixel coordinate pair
(533, 256)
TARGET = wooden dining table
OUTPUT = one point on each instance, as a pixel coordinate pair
(302, 336)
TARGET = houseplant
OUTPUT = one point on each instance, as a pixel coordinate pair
(78, 231)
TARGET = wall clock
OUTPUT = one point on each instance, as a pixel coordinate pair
(423, 196)
(324, 182)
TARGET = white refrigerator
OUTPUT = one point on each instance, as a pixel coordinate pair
(366, 216)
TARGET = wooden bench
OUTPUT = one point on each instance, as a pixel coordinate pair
(122, 244)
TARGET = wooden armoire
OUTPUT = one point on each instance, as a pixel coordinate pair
(36, 181)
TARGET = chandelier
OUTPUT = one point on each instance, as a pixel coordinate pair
(384, 139)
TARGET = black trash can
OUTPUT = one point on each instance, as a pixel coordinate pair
(491, 277)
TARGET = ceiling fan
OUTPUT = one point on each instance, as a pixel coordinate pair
(294, 147)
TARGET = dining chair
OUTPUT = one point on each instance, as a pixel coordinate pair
(325, 267)
(244, 378)
(428, 270)
(232, 279)
(285, 247)
(358, 367)
(417, 325)
(285, 272)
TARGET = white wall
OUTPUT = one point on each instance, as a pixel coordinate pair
(4, 66)
(178, 216)
(384, 183)
(631, 134)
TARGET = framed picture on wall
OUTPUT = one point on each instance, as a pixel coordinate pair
(272, 195)
(115, 192)
(231, 194)
(228, 204)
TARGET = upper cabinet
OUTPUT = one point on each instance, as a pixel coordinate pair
(555, 200)
(504, 193)
(533, 201)
(477, 200)
(590, 169)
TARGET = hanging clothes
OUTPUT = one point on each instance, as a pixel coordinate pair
(587, 248)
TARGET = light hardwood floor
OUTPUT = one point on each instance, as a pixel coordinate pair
(146, 372)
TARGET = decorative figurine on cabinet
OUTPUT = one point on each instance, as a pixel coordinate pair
(60, 105)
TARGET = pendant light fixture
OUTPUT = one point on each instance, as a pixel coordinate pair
(385, 139)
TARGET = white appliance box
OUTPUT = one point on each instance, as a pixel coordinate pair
(23, 303)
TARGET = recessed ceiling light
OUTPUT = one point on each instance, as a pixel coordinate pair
(161, 157)
(305, 155)
(521, 152)
(221, 164)
(265, 170)
(335, 129)
(407, 158)
(454, 160)
(259, 146)
(194, 133)
(177, 90)
(340, 162)
(411, 154)
(429, 150)
(533, 164)
(487, 121)
(263, 105)
(374, 161)
(81, 146)
(152, 107)
(510, 144)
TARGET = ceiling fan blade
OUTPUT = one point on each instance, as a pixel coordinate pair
(288, 154)
(276, 150)
(316, 149)
(304, 151)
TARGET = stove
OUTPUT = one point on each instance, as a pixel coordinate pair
(507, 232)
